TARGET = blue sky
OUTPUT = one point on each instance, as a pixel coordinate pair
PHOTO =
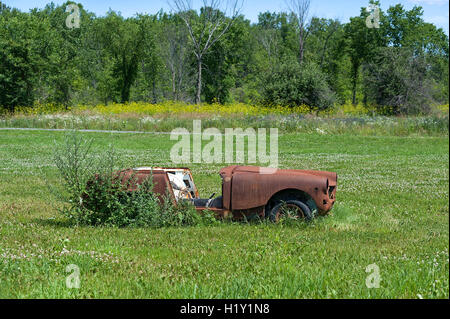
(435, 11)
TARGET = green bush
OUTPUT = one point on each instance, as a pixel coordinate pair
(94, 193)
(292, 84)
(397, 82)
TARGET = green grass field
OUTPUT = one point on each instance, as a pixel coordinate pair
(392, 210)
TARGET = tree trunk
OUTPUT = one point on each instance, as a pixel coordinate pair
(126, 85)
(301, 46)
(355, 80)
(301, 52)
(324, 50)
(354, 92)
(155, 98)
(174, 89)
(125, 96)
(199, 82)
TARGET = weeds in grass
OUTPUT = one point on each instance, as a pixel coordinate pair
(298, 123)
(95, 193)
(166, 116)
(176, 107)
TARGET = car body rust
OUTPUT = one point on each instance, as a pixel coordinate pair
(247, 191)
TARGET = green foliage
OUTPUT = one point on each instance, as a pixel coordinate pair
(17, 65)
(154, 58)
(361, 45)
(126, 43)
(292, 84)
(223, 66)
(396, 81)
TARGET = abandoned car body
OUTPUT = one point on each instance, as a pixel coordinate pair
(247, 191)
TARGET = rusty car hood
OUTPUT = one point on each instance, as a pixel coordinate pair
(230, 170)
(240, 181)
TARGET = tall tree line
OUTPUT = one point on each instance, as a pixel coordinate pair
(216, 55)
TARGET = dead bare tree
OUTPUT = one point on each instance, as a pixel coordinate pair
(300, 9)
(174, 51)
(215, 19)
(269, 41)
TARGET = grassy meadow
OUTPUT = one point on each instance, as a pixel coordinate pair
(365, 97)
(392, 210)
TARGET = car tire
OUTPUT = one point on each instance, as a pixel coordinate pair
(303, 210)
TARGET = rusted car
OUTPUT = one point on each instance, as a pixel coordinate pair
(248, 191)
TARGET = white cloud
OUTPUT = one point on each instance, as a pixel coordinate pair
(438, 20)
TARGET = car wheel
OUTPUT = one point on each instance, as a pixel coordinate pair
(300, 209)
